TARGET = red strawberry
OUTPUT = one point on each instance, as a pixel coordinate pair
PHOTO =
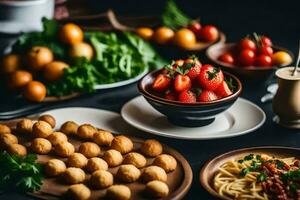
(182, 82)
(207, 96)
(223, 90)
(194, 72)
(192, 59)
(161, 83)
(178, 63)
(210, 77)
(194, 67)
(170, 95)
(187, 96)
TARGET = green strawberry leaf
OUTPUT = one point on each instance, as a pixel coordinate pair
(213, 74)
(230, 83)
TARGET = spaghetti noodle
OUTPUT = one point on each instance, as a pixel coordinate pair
(259, 177)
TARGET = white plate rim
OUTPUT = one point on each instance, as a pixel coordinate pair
(121, 83)
(80, 107)
(219, 136)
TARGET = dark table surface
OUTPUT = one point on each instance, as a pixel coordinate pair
(236, 18)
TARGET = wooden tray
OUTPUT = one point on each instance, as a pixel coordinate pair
(179, 181)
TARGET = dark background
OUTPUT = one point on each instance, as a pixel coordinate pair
(276, 19)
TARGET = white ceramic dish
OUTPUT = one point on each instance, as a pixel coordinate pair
(243, 117)
(100, 118)
(24, 16)
(121, 83)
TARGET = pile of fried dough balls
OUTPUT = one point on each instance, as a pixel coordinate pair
(98, 151)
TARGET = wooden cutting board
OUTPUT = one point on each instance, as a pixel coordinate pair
(179, 181)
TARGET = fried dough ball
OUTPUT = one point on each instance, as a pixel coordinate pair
(113, 158)
(41, 146)
(4, 129)
(101, 179)
(73, 175)
(103, 138)
(57, 137)
(86, 131)
(95, 164)
(122, 144)
(64, 149)
(49, 119)
(17, 149)
(7, 139)
(77, 160)
(89, 149)
(154, 173)
(135, 159)
(157, 189)
(69, 128)
(41, 129)
(78, 192)
(151, 148)
(128, 173)
(55, 167)
(118, 192)
(24, 126)
(165, 161)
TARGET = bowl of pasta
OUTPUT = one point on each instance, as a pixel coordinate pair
(268, 172)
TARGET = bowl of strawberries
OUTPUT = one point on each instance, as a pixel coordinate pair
(254, 57)
(188, 93)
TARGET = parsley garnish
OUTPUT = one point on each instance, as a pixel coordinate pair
(20, 173)
(261, 177)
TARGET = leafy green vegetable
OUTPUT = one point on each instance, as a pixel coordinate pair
(20, 173)
(82, 77)
(173, 17)
(47, 38)
(118, 57)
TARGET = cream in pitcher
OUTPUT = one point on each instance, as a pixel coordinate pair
(286, 103)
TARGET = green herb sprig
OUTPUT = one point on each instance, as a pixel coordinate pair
(173, 17)
(22, 174)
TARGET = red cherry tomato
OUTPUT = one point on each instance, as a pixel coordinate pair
(246, 57)
(266, 41)
(263, 60)
(195, 27)
(209, 33)
(247, 43)
(266, 50)
(226, 58)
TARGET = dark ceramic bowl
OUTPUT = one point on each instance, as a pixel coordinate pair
(187, 114)
(249, 72)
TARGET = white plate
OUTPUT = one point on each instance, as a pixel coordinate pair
(243, 117)
(121, 83)
(99, 118)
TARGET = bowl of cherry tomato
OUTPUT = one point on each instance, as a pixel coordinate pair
(188, 93)
(254, 57)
